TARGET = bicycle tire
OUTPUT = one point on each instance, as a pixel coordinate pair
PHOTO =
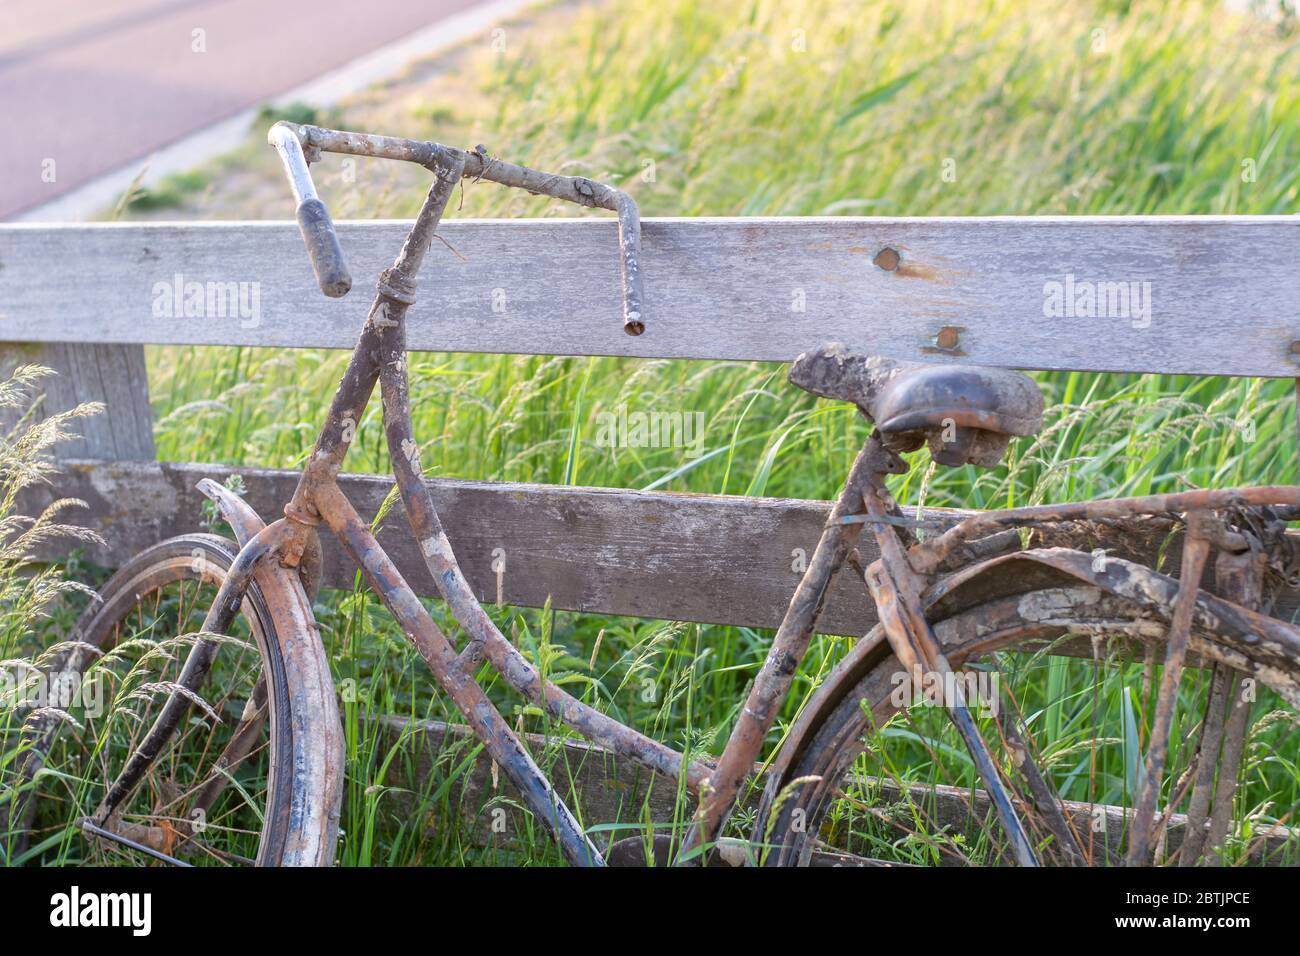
(804, 783)
(286, 835)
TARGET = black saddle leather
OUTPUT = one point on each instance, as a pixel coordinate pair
(928, 396)
(967, 413)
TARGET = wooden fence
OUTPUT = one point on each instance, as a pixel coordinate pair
(1204, 295)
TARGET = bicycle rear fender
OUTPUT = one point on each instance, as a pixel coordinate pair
(1049, 579)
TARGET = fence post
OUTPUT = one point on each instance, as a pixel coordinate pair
(88, 372)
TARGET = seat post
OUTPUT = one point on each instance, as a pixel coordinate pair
(772, 683)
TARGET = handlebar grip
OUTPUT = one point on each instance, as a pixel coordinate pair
(322, 242)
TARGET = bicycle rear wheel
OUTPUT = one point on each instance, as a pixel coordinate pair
(1069, 744)
(222, 791)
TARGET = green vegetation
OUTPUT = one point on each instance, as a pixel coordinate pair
(34, 599)
(169, 192)
(810, 107)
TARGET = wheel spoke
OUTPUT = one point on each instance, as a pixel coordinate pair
(238, 748)
(1196, 549)
(1045, 800)
(1207, 760)
(1234, 741)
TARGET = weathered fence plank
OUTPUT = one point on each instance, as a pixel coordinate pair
(710, 559)
(1204, 295)
(725, 560)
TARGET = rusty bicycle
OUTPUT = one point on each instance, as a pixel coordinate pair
(243, 760)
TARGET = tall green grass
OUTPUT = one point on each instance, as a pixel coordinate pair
(809, 107)
(34, 597)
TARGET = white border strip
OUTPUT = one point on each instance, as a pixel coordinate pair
(102, 192)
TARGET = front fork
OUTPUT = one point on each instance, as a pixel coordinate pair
(220, 616)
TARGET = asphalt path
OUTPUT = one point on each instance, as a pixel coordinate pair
(87, 86)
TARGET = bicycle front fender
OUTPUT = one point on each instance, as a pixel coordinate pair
(316, 773)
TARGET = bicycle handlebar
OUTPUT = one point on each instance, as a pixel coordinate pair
(477, 164)
(318, 232)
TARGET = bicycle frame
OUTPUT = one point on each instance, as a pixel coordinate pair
(897, 581)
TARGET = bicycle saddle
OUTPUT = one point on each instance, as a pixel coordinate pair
(967, 413)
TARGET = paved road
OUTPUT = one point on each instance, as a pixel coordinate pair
(88, 85)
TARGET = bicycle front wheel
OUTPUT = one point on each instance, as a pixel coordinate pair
(222, 790)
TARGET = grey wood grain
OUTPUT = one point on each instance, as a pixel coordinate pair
(658, 555)
(90, 372)
(1222, 290)
(725, 560)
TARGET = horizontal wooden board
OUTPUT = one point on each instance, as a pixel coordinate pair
(1215, 295)
(716, 560)
(659, 555)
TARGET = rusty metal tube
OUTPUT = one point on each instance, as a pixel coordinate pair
(926, 557)
(394, 294)
(1195, 551)
(502, 745)
(478, 164)
(719, 795)
(1240, 578)
(318, 233)
(229, 599)
(485, 638)
(897, 592)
